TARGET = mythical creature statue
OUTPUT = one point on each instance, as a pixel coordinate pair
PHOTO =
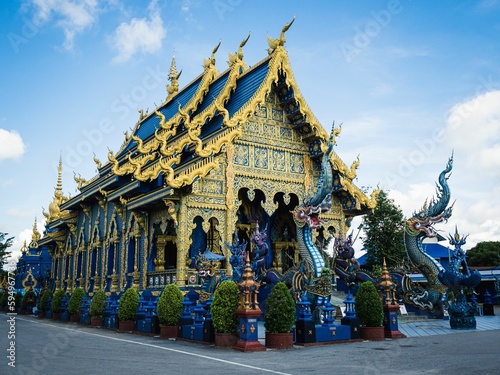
(418, 227)
(238, 257)
(345, 263)
(457, 277)
(306, 217)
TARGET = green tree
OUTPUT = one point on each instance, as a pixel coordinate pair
(384, 233)
(484, 254)
(5, 243)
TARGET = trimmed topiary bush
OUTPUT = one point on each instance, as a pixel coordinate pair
(369, 309)
(169, 307)
(75, 301)
(57, 300)
(98, 304)
(127, 308)
(44, 299)
(280, 310)
(224, 305)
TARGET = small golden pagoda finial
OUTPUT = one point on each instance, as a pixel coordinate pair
(249, 289)
(54, 211)
(173, 77)
(35, 236)
(279, 42)
(24, 249)
(387, 288)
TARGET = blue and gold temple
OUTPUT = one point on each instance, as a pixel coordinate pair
(231, 151)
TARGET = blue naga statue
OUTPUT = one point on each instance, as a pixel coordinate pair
(457, 277)
(306, 217)
(417, 228)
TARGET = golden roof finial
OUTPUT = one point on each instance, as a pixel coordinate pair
(173, 77)
(238, 56)
(279, 42)
(24, 249)
(35, 236)
(211, 61)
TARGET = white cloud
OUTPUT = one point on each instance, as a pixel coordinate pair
(140, 35)
(72, 16)
(473, 127)
(11, 145)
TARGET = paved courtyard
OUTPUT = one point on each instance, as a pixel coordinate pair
(46, 347)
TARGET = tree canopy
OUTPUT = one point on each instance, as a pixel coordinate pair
(5, 243)
(484, 254)
(384, 233)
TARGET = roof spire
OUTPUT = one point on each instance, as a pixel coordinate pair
(35, 237)
(238, 56)
(173, 77)
(279, 42)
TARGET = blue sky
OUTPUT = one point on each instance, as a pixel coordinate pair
(411, 81)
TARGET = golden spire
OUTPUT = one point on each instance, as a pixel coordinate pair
(35, 236)
(173, 77)
(24, 249)
(54, 211)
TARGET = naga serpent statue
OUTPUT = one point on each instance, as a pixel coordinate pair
(457, 277)
(417, 228)
(306, 217)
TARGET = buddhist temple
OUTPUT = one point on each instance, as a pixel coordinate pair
(235, 149)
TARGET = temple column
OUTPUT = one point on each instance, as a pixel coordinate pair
(161, 242)
(182, 244)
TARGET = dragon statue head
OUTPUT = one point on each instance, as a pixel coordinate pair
(421, 224)
(309, 214)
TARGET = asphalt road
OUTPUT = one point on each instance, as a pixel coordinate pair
(47, 347)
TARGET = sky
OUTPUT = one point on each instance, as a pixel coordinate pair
(411, 82)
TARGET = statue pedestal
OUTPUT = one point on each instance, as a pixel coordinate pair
(249, 331)
(391, 328)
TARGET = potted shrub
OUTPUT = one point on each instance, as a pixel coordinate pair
(74, 304)
(127, 308)
(97, 307)
(369, 311)
(279, 317)
(169, 310)
(223, 310)
(57, 304)
(43, 302)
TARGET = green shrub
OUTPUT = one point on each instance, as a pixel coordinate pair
(224, 305)
(98, 304)
(369, 309)
(57, 300)
(280, 310)
(44, 299)
(169, 307)
(75, 301)
(127, 307)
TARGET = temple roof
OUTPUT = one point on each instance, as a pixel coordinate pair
(178, 141)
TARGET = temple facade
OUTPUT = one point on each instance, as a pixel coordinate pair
(229, 151)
